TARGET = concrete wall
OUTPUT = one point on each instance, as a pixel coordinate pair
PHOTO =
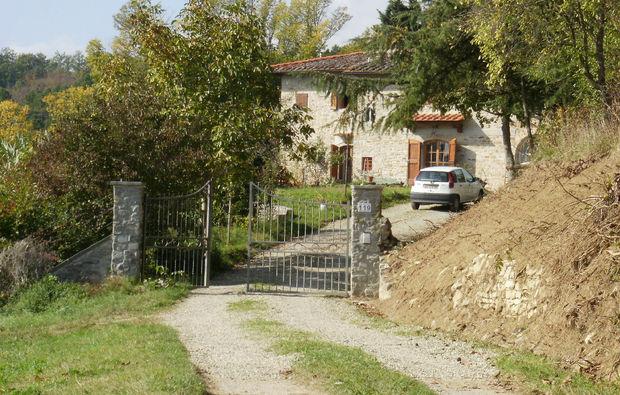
(91, 265)
(479, 148)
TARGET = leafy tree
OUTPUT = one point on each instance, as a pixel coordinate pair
(572, 44)
(27, 78)
(434, 60)
(300, 29)
(13, 121)
(172, 105)
(4, 94)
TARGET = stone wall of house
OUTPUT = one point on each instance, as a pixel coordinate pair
(479, 148)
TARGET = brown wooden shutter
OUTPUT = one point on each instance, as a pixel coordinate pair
(452, 152)
(413, 168)
(334, 166)
(301, 99)
(334, 101)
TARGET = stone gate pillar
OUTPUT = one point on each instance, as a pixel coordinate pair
(127, 228)
(365, 240)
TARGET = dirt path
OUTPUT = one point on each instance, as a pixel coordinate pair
(236, 363)
(231, 361)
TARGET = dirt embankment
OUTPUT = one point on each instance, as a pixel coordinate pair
(536, 266)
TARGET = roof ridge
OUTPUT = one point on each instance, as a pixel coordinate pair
(317, 58)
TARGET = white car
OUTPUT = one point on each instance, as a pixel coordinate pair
(452, 186)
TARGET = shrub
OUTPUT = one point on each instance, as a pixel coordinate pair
(573, 134)
(22, 264)
(45, 294)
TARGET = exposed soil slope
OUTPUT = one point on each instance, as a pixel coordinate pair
(535, 266)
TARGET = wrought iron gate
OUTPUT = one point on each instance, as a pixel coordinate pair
(177, 236)
(296, 245)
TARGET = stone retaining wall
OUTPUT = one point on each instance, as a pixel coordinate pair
(91, 265)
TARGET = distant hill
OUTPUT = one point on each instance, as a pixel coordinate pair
(27, 78)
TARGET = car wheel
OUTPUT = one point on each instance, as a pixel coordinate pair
(415, 206)
(480, 195)
(455, 206)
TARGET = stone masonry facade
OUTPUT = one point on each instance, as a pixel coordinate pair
(366, 226)
(127, 231)
(479, 146)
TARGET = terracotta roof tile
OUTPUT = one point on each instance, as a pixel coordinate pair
(352, 63)
(439, 118)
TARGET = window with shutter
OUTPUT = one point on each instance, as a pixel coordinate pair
(369, 115)
(334, 101)
(339, 102)
(301, 99)
(366, 163)
(439, 153)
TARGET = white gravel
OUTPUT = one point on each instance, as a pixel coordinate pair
(236, 363)
(445, 365)
(228, 358)
(409, 224)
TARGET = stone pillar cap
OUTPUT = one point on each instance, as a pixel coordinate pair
(367, 186)
(127, 183)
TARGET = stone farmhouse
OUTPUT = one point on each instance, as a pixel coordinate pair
(389, 157)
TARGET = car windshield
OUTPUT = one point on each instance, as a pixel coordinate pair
(436, 176)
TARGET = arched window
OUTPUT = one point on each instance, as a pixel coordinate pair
(523, 153)
(437, 153)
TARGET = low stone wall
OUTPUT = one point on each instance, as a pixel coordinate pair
(492, 283)
(91, 265)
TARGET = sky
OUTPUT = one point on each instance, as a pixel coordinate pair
(50, 26)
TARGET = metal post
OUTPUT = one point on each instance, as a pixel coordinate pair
(250, 215)
(346, 170)
(209, 235)
(229, 220)
(348, 256)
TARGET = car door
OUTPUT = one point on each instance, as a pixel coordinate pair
(472, 185)
(461, 187)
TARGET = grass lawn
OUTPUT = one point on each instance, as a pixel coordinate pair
(58, 338)
(392, 195)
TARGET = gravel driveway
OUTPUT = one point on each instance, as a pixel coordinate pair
(409, 224)
(236, 363)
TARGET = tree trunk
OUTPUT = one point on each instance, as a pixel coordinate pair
(599, 44)
(510, 158)
(527, 115)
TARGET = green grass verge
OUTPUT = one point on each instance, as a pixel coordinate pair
(538, 374)
(247, 305)
(99, 340)
(533, 373)
(338, 369)
(392, 195)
